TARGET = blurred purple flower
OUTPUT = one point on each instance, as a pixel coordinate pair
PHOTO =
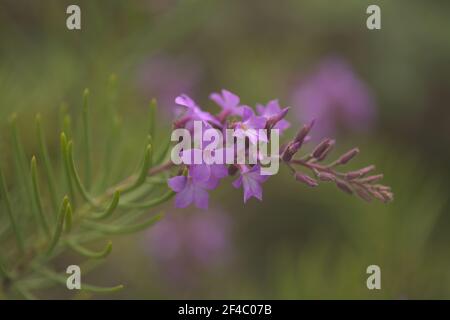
(164, 77)
(185, 242)
(334, 94)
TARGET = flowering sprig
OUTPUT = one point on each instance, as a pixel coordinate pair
(358, 181)
(191, 189)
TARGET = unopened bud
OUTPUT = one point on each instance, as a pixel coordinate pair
(306, 179)
(371, 179)
(363, 194)
(346, 157)
(378, 195)
(326, 151)
(387, 196)
(325, 176)
(272, 121)
(344, 186)
(301, 135)
(321, 148)
(290, 151)
(359, 173)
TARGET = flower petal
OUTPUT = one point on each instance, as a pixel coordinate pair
(177, 183)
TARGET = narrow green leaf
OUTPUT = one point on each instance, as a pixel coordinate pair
(87, 140)
(110, 210)
(76, 177)
(111, 229)
(37, 197)
(152, 203)
(110, 150)
(47, 164)
(66, 165)
(67, 126)
(146, 164)
(7, 202)
(68, 220)
(89, 253)
(65, 120)
(63, 212)
(97, 289)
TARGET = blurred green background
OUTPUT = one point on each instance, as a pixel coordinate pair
(299, 242)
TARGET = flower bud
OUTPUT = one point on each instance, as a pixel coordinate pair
(290, 151)
(322, 148)
(272, 121)
(346, 157)
(306, 179)
(325, 176)
(363, 194)
(344, 186)
(371, 179)
(359, 173)
(301, 135)
(326, 151)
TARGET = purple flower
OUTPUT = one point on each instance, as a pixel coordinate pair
(272, 112)
(194, 112)
(212, 173)
(249, 126)
(193, 187)
(183, 244)
(163, 77)
(229, 102)
(252, 180)
(334, 95)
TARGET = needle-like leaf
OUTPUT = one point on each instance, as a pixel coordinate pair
(37, 197)
(87, 139)
(66, 166)
(110, 210)
(47, 164)
(76, 177)
(65, 210)
(89, 253)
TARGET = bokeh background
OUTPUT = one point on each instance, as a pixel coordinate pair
(298, 243)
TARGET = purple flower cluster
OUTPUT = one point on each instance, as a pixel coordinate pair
(195, 180)
(193, 185)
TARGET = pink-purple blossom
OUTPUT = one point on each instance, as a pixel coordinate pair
(229, 102)
(251, 180)
(273, 112)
